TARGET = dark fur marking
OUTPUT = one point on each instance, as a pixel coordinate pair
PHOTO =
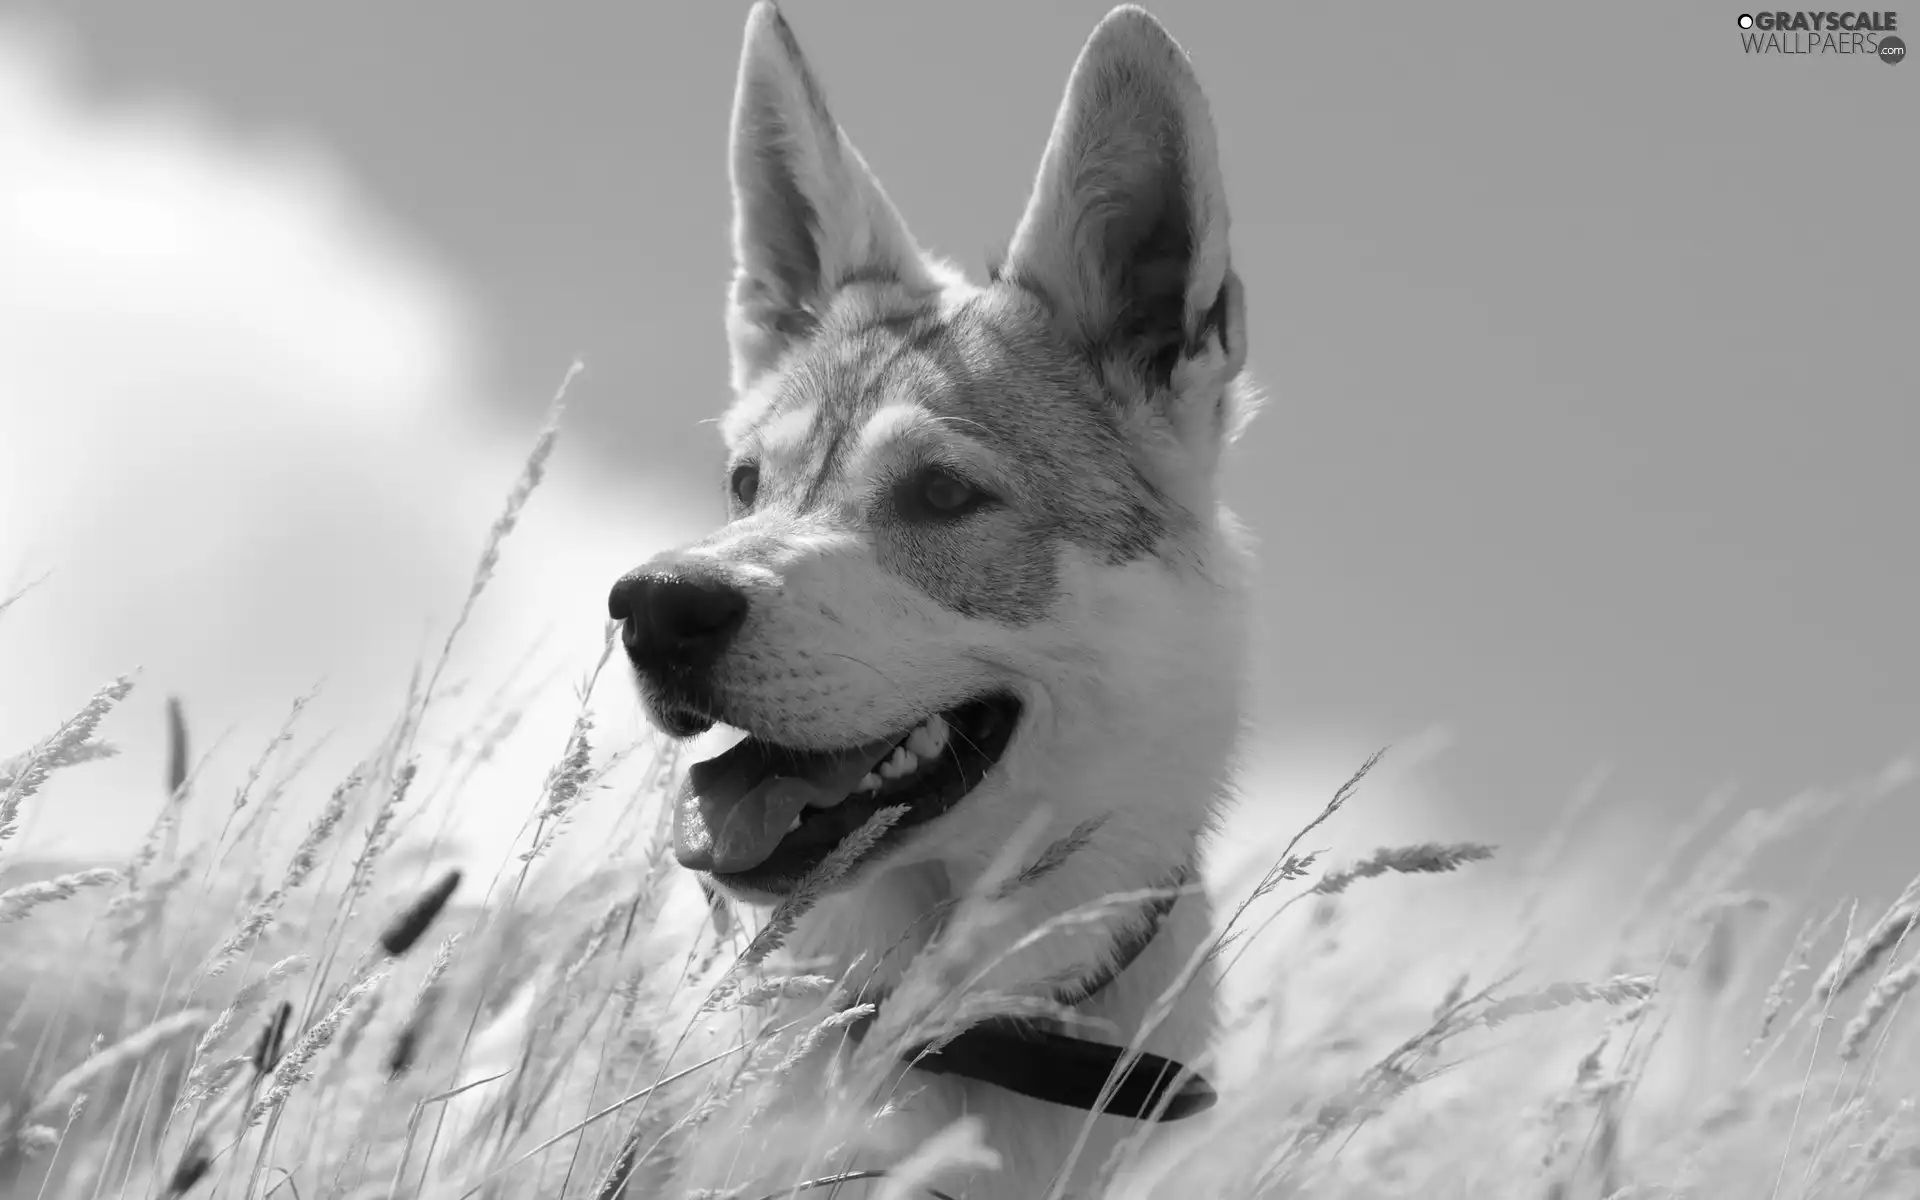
(1007, 381)
(900, 324)
(869, 273)
(830, 457)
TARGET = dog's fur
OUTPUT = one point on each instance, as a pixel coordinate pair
(1089, 388)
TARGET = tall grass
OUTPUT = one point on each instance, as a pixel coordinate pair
(277, 1011)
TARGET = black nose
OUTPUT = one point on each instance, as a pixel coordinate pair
(675, 620)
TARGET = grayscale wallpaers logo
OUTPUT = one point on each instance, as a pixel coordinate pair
(1865, 34)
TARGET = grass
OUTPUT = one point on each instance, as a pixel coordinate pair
(291, 1009)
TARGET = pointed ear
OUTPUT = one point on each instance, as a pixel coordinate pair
(808, 216)
(1126, 232)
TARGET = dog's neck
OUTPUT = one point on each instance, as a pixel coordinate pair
(1064, 925)
(1130, 942)
(1042, 1060)
(1107, 944)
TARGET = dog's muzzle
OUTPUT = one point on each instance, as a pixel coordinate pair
(676, 624)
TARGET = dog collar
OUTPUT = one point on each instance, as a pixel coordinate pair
(1045, 1064)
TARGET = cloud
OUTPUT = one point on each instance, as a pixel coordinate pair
(244, 437)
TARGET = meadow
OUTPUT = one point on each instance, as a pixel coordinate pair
(315, 1008)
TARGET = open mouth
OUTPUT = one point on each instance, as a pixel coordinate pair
(761, 815)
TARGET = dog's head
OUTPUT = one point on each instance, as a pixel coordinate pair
(974, 557)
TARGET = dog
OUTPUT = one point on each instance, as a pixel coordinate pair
(976, 573)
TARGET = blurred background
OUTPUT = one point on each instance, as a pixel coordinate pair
(1586, 469)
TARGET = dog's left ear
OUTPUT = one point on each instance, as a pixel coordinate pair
(1126, 231)
(808, 216)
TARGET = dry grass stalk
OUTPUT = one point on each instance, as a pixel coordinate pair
(1289, 865)
(1755, 830)
(1861, 955)
(20, 593)
(280, 738)
(248, 998)
(936, 976)
(211, 1080)
(1051, 859)
(835, 1021)
(296, 1065)
(258, 818)
(16, 903)
(378, 837)
(132, 914)
(307, 856)
(564, 785)
(532, 472)
(1621, 989)
(1874, 1150)
(1799, 961)
(815, 884)
(245, 935)
(1886, 995)
(1424, 858)
(781, 987)
(66, 747)
(89, 752)
(105, 1061)
(406, 1044)
(356, 1027)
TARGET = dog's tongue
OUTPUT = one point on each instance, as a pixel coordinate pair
(735, 808)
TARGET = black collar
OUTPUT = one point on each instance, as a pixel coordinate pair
(1046, 1064)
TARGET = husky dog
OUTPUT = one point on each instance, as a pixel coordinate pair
(976, 568)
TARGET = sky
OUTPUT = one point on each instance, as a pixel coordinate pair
(1591, 412)
(246, 459)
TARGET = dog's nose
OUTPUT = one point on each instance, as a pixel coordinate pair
(676, 619)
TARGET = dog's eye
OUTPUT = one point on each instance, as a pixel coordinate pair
(936, 495)
(745, 484)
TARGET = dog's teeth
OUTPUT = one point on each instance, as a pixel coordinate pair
(930, 738)
(899, 763)
(794, 826)
(869, 783)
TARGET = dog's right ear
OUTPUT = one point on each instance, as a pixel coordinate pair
(808, 216)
